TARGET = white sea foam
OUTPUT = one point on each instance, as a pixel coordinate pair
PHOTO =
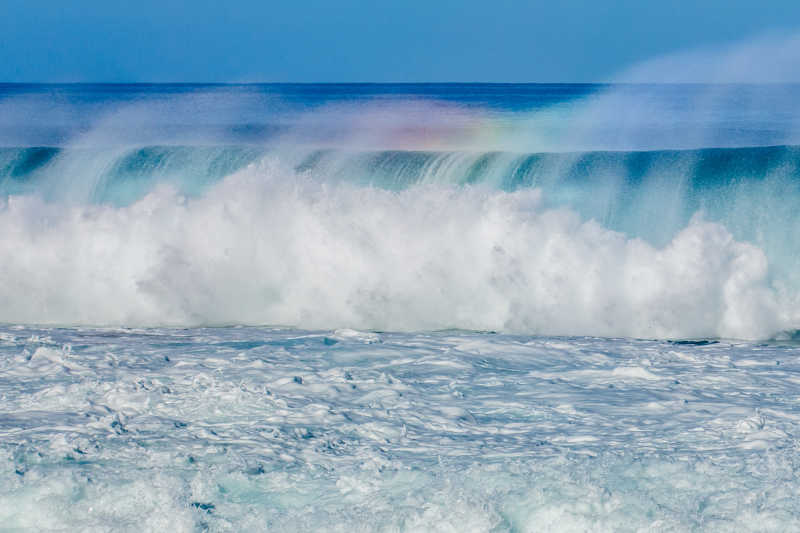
(266, 429)
(268, 247)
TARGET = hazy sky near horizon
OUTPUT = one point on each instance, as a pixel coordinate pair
(358, 40)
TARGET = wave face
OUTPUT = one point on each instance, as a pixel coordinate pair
(506, 208)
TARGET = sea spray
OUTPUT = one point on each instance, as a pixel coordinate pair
(259, 248)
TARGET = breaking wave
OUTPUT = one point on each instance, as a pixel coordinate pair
(414, 216)
(271, 245)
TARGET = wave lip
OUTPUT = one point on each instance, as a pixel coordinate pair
(394, 168)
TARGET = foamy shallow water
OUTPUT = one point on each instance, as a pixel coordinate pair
(249, 429)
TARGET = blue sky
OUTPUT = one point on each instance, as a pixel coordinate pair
(355, 40)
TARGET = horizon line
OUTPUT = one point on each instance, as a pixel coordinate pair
(505, 83)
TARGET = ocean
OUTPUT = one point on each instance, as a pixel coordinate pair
(399, 307)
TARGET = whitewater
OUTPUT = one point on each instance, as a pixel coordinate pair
(399, 307)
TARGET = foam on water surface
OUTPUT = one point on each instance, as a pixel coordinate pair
(280, 429)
